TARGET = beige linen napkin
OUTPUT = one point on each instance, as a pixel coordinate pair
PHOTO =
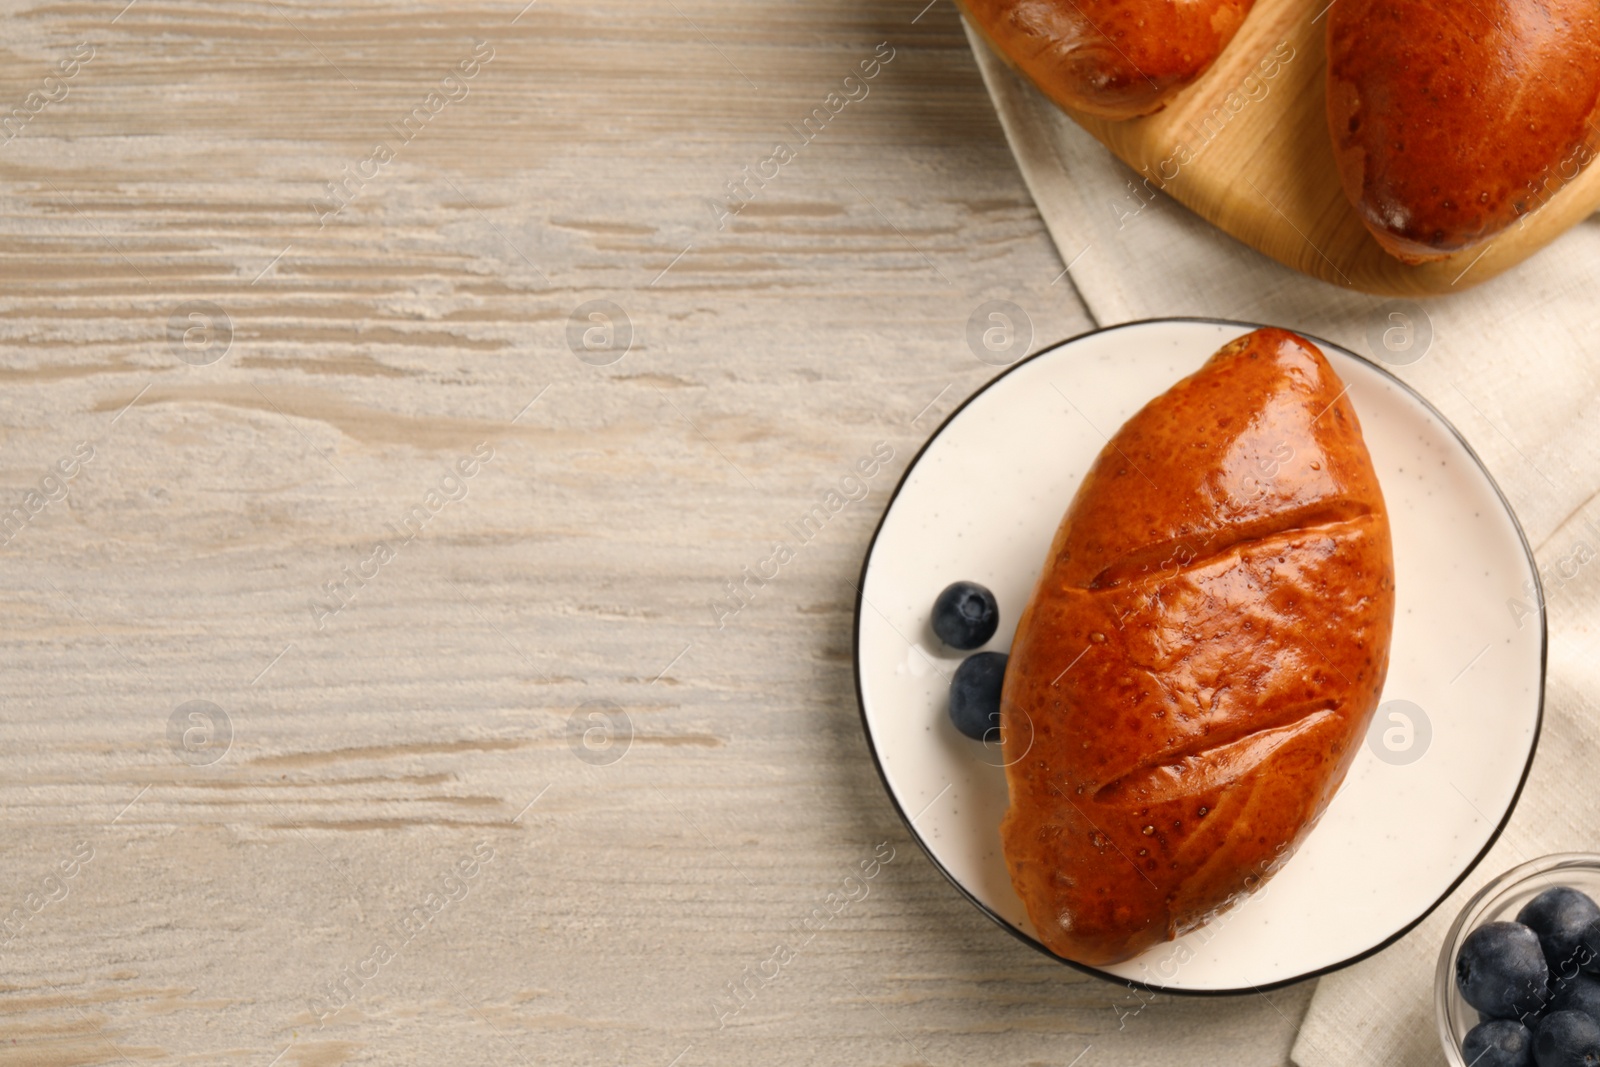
(1509, 362)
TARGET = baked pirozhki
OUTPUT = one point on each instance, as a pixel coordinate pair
(1452, 121)
(1117, 59)
(1201, 656)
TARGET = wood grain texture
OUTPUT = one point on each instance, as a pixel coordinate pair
(382, 750)
(1246, 147)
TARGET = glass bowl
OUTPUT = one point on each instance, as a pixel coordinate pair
(1498, 901)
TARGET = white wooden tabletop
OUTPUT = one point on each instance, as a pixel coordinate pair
(393, 393)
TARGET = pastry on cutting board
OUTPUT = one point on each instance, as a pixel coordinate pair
(1117, 59)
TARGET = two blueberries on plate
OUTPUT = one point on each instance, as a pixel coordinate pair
(965, 616)
(1536, 983)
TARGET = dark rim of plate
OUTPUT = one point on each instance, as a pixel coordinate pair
(1516, 796)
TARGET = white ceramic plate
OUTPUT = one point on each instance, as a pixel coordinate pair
(1440, 772)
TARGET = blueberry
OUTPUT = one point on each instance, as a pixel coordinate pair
(1576, 992)
(1559, 916)
(1567, 1039)
(975, 694)
(965, 615)
(1498, 1043)
(1501, 971)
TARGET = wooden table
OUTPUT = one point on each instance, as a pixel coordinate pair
(366, 697)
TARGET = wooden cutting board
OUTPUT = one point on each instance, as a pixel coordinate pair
(1247, 148)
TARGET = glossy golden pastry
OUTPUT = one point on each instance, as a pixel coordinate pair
(1201, 656)
(1452, 120)
(1114, 58)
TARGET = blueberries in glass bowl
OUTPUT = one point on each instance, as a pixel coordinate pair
(1567, 1039)
(1589, 943)
(1579, 992)
(1560, 915)
(1531, 982)
(1499, 1043)
(1501, 971)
